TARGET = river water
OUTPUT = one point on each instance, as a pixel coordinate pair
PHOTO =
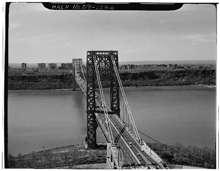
(40, 120)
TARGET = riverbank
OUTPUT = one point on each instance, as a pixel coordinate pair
(72, 156)
(76, 156)
(129, 79)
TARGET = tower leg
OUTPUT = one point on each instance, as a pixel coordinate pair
(91, 104)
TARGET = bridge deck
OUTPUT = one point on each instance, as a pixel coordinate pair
(131, 152)
(132, 155)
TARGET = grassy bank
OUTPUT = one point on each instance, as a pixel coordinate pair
(60, 157)
(76, 156)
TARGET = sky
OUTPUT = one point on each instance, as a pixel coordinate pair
(37, 34)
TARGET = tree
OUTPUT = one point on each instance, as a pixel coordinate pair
(179, 148)
(11, 161)
(33, 157)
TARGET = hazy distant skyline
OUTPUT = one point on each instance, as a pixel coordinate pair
(37, 34)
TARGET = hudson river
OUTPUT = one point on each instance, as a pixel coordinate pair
(39, 120)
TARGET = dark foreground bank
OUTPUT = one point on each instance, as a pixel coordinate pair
(77, 156)
(61, 157)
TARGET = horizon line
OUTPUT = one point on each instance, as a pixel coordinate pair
(129, 61)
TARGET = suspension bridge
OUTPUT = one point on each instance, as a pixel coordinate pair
(125, 148)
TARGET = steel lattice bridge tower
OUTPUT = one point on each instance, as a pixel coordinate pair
(125, 148)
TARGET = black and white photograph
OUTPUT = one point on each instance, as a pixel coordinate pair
(94, 85)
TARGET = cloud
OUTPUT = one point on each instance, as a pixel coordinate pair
(36, 7)
(67, 44)
(30, 39)
(22, 7)
(196, 7)
(199, 38)
(49, 40)
(15, 25)
(19, 12)
(164, 21)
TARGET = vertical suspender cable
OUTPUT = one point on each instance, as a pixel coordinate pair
(126, 101)
(103, 102)
(123, 114)
(82, 72)
(81, 82)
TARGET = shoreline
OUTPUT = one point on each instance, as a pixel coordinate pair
(207, 86)
(127, 87)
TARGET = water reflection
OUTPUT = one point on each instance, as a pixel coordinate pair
(79, 101)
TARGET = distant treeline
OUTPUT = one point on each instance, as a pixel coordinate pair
(40, 82)
(145, 78)
(169, 78)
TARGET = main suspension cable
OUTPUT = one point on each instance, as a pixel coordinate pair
(126, 101)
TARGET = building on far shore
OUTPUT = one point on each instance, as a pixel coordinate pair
(41, 65)
(23, 65)
(132, 66)
(52, 66)
(67, 66)
(127, 67)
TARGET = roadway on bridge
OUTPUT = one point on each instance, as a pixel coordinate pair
(129, 148)
(129, 158)
(134, 145)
